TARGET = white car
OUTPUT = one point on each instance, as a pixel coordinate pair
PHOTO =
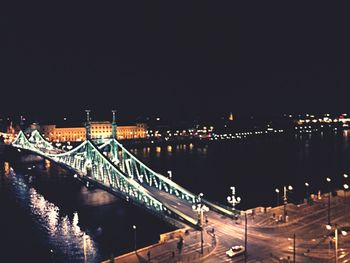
(235, 251)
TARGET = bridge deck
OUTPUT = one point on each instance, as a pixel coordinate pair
(173, 201)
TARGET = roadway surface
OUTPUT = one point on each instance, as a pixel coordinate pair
(272, 241)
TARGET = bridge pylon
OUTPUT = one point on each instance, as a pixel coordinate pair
(88, 125)
(114, 126)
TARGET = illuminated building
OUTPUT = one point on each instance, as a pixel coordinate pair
(99, 130)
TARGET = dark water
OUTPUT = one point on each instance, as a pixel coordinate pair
(45, 208)
(256, 167)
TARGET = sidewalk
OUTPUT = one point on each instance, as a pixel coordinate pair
(167, 252)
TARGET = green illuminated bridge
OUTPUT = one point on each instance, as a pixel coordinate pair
(113, 168)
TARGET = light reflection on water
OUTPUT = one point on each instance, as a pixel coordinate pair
(169, 150)
(64, 236)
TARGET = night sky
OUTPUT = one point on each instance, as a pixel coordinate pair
(174, 59)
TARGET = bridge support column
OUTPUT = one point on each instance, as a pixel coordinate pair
(114, 126)
(88, 125)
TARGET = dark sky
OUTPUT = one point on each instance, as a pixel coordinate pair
(178, 58)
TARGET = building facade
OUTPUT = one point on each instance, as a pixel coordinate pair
(99, 130)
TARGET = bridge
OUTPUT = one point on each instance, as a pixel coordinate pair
(113, 168)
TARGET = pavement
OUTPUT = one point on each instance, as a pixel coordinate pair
(164, 252)
(268, 238)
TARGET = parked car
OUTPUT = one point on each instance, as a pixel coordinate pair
(235, 251)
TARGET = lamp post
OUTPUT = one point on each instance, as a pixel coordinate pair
(344, 233)
(294, 248)
(134, 227)
(290, 188)
(170, 175)
(329, 202)
(278, 196)
(307, 192)
(245, 237)
(346, 187)
(200, 209)
(233, 200)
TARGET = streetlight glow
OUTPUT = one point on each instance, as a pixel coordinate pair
(328, 179)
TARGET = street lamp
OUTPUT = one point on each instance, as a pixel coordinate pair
(170, 175)
(307, 192)
(200, 208)
(134, 227)
(294, 251)
(233, 200)
(278, 196)
(245, 237)
(345, 176)
(344, 233)
(290, 188)
(329, 201)
(346, 187)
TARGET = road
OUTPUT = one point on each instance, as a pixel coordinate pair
(270, 241)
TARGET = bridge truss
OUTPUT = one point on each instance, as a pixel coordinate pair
(90, 163)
